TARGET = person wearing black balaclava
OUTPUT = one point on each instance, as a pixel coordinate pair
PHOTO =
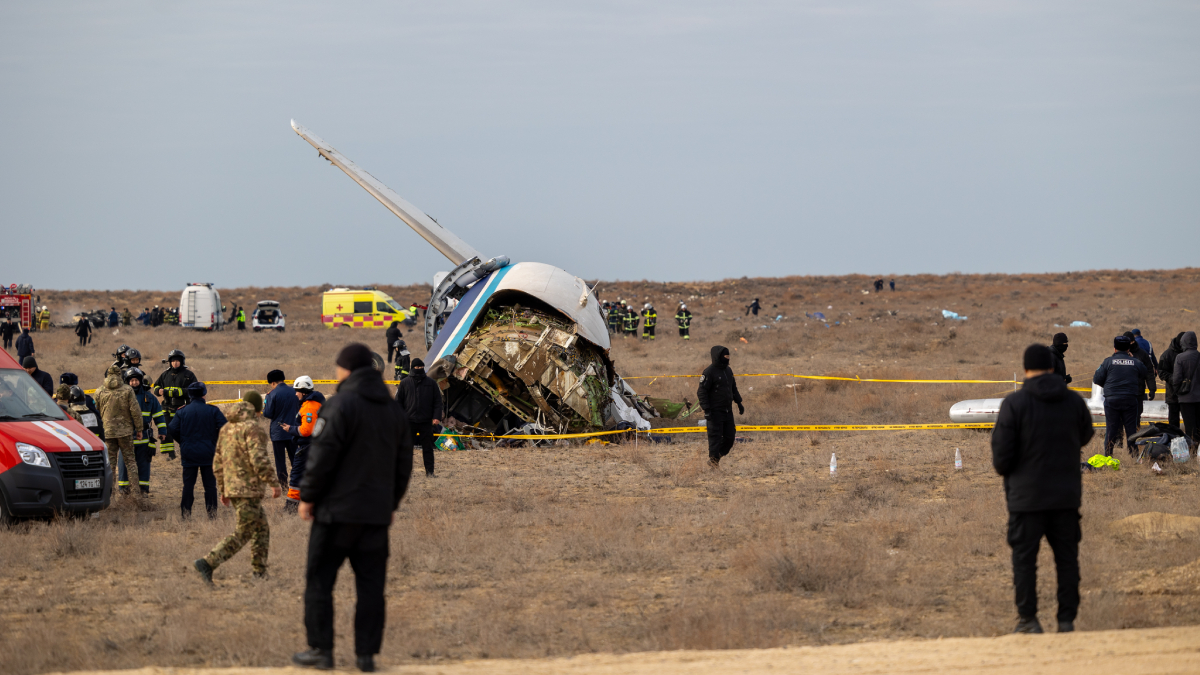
(1059, 349)
(421, 398)
(717, 392)
(1166, 369)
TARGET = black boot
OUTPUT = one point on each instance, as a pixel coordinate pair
(1028, 625)
(321, 659)
(1066, 626)
(366, 663)
(204, 569)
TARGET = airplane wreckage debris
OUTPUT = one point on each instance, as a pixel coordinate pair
(524, 347)
(530, 364)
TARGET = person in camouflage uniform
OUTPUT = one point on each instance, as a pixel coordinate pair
(243, 473)
(122, 420)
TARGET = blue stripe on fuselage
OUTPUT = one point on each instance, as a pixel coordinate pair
(459, 323)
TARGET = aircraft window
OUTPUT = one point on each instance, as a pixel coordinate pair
(362, 307)
(22, 398)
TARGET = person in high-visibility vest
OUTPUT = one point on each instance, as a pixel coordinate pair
(614, 318)
(651, 319)
(241, 316)
(631, 319)
(152, 418)
(44, 318)
(684, 318)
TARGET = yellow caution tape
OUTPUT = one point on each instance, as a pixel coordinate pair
(833, 377)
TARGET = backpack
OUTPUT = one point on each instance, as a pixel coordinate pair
(308, 417)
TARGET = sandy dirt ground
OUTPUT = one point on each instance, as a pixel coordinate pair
(1129, 652)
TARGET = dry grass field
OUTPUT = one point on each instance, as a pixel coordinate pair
(570, 549)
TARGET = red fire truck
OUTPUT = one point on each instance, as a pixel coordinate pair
(49, 463)
(16, 301)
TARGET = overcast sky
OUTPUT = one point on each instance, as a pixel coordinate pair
(147, 144)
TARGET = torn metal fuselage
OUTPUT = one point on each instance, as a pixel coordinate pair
(521, 345)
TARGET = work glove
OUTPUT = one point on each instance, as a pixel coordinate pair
(171, 456)
(1068, 379)
(741, 409)
(1151, 396)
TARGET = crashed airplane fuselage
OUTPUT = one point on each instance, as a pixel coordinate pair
(523, 345)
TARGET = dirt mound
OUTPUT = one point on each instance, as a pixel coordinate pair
(1181, 580)
(1158, 525)
(1128, 652)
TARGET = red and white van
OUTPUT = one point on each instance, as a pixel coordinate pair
(49, 463)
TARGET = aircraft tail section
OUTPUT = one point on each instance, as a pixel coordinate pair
(445, 241)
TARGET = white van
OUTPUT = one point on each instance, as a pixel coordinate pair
(200, 307)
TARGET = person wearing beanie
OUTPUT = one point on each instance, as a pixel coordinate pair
(40, 376)
(357, 472)
(280, 406)
(1060, 349)
(195, 428)
(1036, 446)
(1124, 378)
(302, 429)
(421, 398)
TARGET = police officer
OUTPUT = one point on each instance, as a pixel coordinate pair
(717, 392)
(650, 319)
(1136, 351)
(684, 318)
(172, 386)
(1123, 378)
(241, 318)
(152, 417)
(1059, 349)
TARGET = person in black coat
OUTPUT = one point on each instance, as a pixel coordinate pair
(40, 376)
(357, 472)
(195, 428)
(1060, 363)
(7, 330)
(84, 330)
(1124, 378)
(1136, 351)
(1166, 368)
(1036, 446)
(1187, 388)
(421, 398)
(24, 345)
(717, 392)
(392, 335)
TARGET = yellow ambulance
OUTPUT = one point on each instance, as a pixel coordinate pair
(359, 308)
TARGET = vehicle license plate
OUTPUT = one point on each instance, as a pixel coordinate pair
(87, 484)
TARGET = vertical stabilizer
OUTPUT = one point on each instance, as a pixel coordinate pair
(445, 241)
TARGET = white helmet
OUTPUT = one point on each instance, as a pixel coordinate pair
(646, 306)
(682, 305)
(303, 382)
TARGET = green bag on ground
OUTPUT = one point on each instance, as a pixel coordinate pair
(447, 443)
(1101, 461)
